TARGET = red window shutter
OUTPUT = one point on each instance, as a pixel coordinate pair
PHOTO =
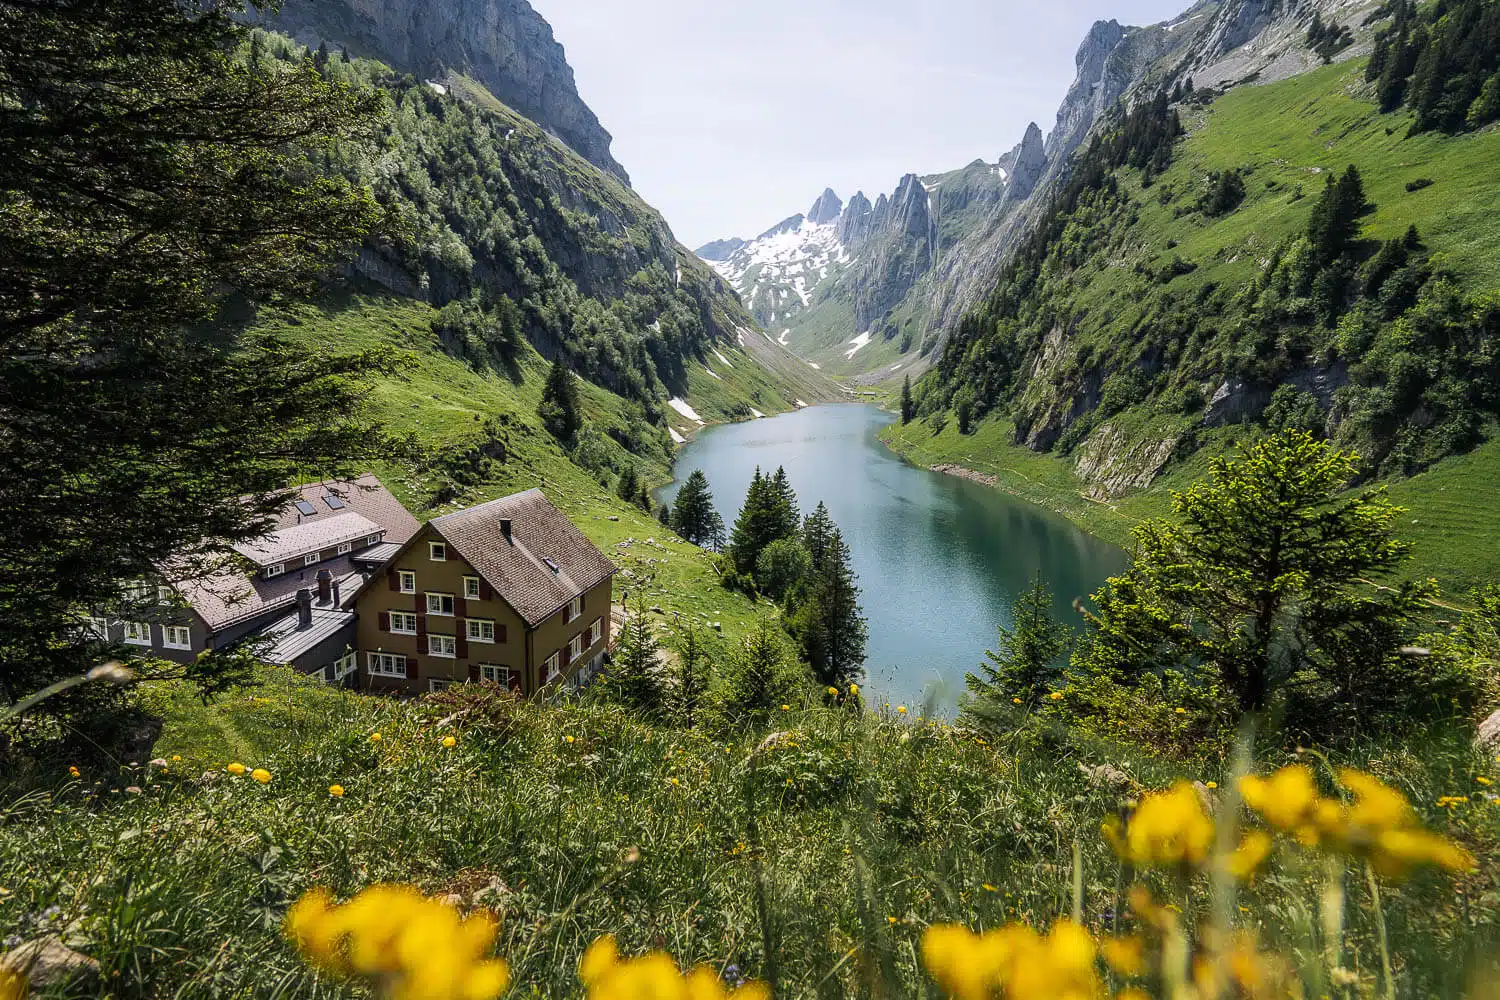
(461, 607)
(485, 593)
(393, 579)
(461, 645)
(499, 633)
(474, 673)
(411, 668)
(385, 621)
(421, 628)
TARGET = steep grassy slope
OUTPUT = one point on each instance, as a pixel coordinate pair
(1156, 328)
(816, 860)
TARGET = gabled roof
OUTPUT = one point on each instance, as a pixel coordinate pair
(310, 536)
(544, 564)
(229, 596)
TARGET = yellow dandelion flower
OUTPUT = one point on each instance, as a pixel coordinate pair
(236, 768)
(786, 708)
(988, 888)
(1168, 828)
(1126, 955)
(1251, 854)
(833, 692)
(1484, 781)
(1056, 696)
(676, 783)
(569, 739)
(1211, 785)
(1015, 701)
(374, 737)
(1180, 711)
(176, 757)
(261, 775)
(854, 690)
(1285, 799)
(73, 772)
(337, 791)
(900, 709)
(449, 742)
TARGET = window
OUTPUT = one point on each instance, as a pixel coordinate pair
(407, 581)
(387, 665)
(372, 540)
(440, 604)
(166, 595)
(596, 631)
(481, 631)
(346, 548)
(403, 623)
(495, 675)
(177, 637)
(275, 569)
(575, 609)
(306, 509)
(437, 551)
(575, 647)
(138, 591)
(471, 588)
(340, 668)
(97, 628)
(137, 633)
(553, 666)
(442, 645)
(437, 684)
(312, 559)
(334, 503)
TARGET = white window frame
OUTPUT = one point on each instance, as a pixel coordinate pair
(476, 627)
(496, 674)
(373, 539)
(140, 590)
(274, 570)
(97, 628)
(445, 646)
(386, 665)
(345, 548)
(437, 551)
(403, 577)
(312, 558)
(596, 631)
(342, 667)
(553, 665)
(143, 630)
(471, 588)
(165, 594)
(438, 683)
(574, 610)
(431, 594)
(575, 648)
(405, 616)
(166, 636)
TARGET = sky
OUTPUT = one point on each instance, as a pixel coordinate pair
(732, 116)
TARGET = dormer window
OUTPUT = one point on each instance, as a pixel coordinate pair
(275, 570)
(437, 551)
(312, 558)
(372, 540)
(346, 548)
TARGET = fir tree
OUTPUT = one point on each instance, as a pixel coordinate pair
(769, 514)
(817, 532)
(692, 676)
(633, 677)
(693, 515)
(559, 408)
(1335, 218)
(629, 486)
(785, 500)
(908, 408)
(1027, 660)
(829, 622)
(761, 678)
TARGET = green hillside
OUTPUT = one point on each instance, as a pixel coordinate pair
(1143, 299)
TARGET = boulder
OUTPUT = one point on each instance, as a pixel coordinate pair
(47, 962)
(1488, 736)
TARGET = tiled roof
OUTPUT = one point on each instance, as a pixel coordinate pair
(230, 596)
(310, 536)
(518, 568)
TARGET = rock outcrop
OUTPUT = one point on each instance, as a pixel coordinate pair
(826, 209)
(1028, 165)
(719, 250)
(504, 44)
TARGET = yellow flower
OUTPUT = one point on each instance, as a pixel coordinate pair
(374, 737)
(1285, 799)
(449, 742)
(1168, 828)
(786, 708)
(675, 782)
(261, 775)
(1126, 955)
(833, 692)
(236, 768)
(337, 791)
(176, 757)
(1056, 696)
(1181, 711)
(1013, 961)
(1252, 853)
(652, 977)
(1211, 785)
(854, 690)
(900, 709)
(1015, 701)
(988, 888)
(1484, 781)
(412, 945)
(13, 985)
(73, 771)
(1397, 851)
(569, 739)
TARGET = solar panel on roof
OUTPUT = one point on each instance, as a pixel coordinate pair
(306, 508)
(334, 503)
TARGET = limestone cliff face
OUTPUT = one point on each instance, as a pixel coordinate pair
(897, 252)
(504, 44)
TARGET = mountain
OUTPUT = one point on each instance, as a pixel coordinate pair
(504, 45)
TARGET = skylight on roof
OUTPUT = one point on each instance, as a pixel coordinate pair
(334, 503)
(551, 564)
(307, 509)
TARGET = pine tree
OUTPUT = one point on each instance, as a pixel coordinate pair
(829, 623)
(817, 532)
(692, 676)
(1027, 661)
(908, 408)
(693, 516)
(761, 678)
(633, 677)
(769, 514)
(629, 486)
(1334, 223)
(785, 499)
(559, 407)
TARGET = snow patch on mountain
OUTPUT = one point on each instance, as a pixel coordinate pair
(680, 405)
(863, 340)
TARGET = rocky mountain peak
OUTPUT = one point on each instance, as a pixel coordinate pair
(720, 250)
(504, 44)
(854, 225)
(1101, 40)
(826, 209)
(1028, 164)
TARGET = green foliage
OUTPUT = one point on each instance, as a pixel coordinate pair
(781, 567)
(1291, 409)
(1442, 61)
(1226, 190)
(1328, 39)
(1261, 596)
(634, 678)
(1029, 660)
(828, 622)
(149, 176)
(559, 406)
(908, 408)
(762, 678)
(694, 517)
(691, 676)
(769, 514)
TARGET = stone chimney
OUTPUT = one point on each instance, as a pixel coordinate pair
(304, 609)
(325, 587)
(505, 529)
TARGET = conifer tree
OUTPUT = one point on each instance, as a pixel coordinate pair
(693, 515)
(633, 678)
(908, 408)
(559, 408)
(1027, 660)
(761, 678)
(785, 500)
(629, 486)
(817, 532)
(692, 676)
(829, 622)
(769, 514)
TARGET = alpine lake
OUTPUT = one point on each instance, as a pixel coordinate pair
(940, 560)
